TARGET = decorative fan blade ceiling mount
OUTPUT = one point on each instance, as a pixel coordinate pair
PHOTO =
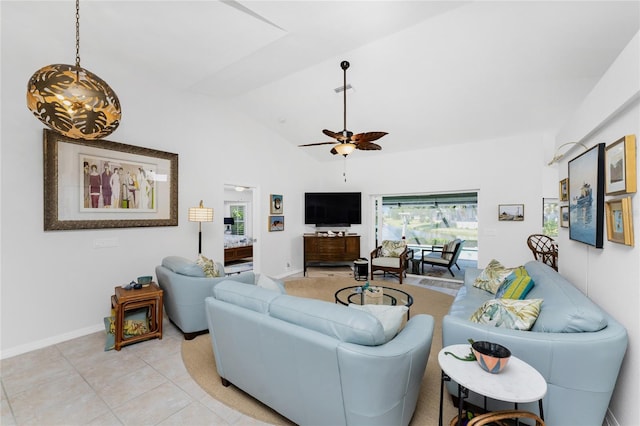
(347, 141)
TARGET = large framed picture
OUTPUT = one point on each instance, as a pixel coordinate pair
(586, 197)
(620, 221)
(621, 166)
(90, 184)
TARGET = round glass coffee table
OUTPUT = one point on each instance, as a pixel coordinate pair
(390, 296)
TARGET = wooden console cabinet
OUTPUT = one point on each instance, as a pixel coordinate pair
(232, 254)
(320, 249)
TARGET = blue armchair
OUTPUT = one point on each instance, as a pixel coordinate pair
(185, 287)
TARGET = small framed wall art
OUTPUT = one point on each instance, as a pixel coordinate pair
(276, 223)
(620, 221)
(564, 189)
(511, 212)
(621, 166)
(564, 216)
(275, 204)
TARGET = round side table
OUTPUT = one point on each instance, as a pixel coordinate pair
(518, 382)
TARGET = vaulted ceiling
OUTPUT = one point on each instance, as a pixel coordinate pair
(427, 72)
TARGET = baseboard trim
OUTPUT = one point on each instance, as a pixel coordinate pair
(49, 341)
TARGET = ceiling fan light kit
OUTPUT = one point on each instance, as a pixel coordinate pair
(347, 141)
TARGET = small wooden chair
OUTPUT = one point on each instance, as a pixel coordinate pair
(391, 257)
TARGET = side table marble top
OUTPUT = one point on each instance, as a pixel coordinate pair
(518, 382)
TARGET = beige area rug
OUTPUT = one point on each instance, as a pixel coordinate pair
(197, 354)
(329, 271)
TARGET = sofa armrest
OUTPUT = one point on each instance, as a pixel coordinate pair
(380, 384)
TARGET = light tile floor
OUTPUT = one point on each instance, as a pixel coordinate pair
(77, 382)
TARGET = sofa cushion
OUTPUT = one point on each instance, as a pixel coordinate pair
(209, 267)
(390, 317)
(491, 277)
(392, 248)
(566, 309)
(508, 313)
(248, 296)
(182, 266)
(516, 286)
(338, 321)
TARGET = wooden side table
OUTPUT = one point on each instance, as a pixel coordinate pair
(149, 297)
(518, 382)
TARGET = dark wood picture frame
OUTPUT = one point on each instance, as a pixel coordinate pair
(621, 166)
(586, 197)
(65, 192)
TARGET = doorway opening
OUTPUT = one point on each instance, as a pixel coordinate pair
(238, 229)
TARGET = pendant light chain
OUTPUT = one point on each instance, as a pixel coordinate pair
(78, 33)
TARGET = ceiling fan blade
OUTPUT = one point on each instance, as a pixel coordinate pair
(338, 136)
(368, 146)
(368, 136)
(318, 143)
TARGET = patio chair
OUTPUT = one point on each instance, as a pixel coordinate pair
(445, 256)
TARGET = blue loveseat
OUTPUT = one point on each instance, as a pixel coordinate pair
(317, 362)
(576, 346)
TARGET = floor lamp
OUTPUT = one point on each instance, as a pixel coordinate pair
(200, 214)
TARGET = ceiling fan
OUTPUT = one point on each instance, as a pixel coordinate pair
(347, 141)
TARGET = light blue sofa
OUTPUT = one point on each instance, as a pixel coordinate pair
(316, 362)
(576, 346)
(185, 288)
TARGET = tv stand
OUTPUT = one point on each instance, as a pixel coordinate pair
(324, 249)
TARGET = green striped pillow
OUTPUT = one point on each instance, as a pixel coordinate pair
(516, 285)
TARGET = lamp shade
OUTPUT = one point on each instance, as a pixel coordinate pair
(200, 214)
(73, 101)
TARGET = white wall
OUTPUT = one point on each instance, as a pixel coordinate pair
(610, 276)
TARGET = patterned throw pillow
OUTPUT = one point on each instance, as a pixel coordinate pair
(516, 286)
(508, 313)
(491, 278)
(209, 267)
(392, 248)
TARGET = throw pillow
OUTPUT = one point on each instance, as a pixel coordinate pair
(508, 313)
(491, 277)
(392, 248)
(516, 286)
(268, 283)
(390, 317)
(209, 267)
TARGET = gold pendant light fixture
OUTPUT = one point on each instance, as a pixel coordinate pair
(72, 100)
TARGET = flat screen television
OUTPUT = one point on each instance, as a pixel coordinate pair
(332, 208)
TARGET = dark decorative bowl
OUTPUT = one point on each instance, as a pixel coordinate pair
(145, 279)
(492, 357)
